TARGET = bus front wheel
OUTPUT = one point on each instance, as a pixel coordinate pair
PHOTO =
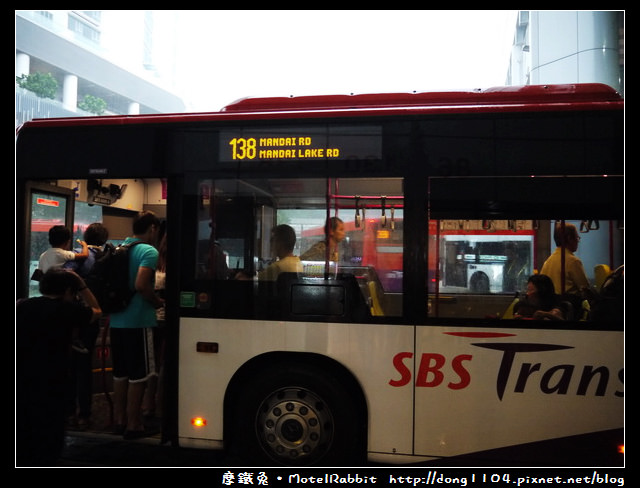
(295, 417)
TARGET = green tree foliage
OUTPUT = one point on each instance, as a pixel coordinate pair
(43, 85)
(92, 104)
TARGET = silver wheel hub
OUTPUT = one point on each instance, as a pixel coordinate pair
(294, 423)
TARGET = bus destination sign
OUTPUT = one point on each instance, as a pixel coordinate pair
(295, 143)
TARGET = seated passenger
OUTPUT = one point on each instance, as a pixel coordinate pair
(283, 240)
(610, 302)
(540, 302)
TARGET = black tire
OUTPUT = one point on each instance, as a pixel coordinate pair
(295, 416)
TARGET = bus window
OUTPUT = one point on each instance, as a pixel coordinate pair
(224, 231)
(235, 219)
(477, 268)
(371, 250)
(482, 256)
(600, 249)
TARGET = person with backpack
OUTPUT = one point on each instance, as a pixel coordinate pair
(132, 330)
(80, 393)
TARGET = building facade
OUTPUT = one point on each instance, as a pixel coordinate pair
(107, 54)
(568, 47)
(112, 55)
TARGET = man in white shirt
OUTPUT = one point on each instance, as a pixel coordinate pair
(283, 240)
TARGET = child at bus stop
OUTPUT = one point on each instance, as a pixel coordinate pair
(43, 332)
(57, 256)
(59, 253)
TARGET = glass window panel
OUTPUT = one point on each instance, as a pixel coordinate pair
(481, 268)
(236, 218)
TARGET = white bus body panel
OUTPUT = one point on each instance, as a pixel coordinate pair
(452, 379)
(365, 350)
(463, 407)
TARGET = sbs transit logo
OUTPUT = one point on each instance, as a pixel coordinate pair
(547, 377)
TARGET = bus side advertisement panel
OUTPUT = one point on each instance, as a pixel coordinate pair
(507, 388)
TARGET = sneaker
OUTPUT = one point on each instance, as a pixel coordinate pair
(78, 346)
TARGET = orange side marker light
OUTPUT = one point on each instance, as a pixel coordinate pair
(198, 422)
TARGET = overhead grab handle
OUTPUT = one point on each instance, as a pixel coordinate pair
(587, 225)
(393, 221)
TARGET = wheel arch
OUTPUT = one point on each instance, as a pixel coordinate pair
(298, 360)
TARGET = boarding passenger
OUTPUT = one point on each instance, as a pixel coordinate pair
(95, 237)
(540, 301)
(80, 392)
(335, 235)
(59, 252)
(283, 240)
(57, 256)
(132, 331)
(153, 393)
(43, 334)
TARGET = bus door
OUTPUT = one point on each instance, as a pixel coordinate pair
(46, 206)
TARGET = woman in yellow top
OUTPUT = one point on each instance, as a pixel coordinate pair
(575, 279)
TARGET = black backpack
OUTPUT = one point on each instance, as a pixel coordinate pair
(108, 278)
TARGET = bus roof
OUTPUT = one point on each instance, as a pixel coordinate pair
(586, 96)
(530, 94)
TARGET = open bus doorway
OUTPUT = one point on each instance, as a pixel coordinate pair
(76, 204)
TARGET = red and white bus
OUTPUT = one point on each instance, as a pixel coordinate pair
(404, 350)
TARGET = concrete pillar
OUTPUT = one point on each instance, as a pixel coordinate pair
(70, 92)
(598, 48)
(22, 64)
(134, 108)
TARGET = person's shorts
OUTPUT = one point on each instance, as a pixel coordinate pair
(132, 353)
